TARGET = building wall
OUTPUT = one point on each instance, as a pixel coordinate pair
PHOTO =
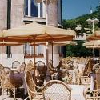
(60, 12)
(3, 14)
(17, 12)
(52, 14)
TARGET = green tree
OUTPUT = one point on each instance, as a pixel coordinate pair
(78, 50)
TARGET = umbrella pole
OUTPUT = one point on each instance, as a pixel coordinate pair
(52, 53)
(93, 53)
(34, 60)
(2, 55)
(99, 55)
(34, 52)
(47, 54)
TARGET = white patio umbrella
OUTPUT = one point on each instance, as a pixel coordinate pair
(55, 43)
(38, 33)
(10, 44)
(35, 32)
(95, 36)
(94, 44)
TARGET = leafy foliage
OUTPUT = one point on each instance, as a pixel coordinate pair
(80, 50)
(72, 23)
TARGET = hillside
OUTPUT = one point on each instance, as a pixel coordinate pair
(72, 23)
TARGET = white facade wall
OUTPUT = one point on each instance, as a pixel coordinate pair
(3, 14)
(17, 14)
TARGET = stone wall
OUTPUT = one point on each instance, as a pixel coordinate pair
(17, 12)
(52, 17)
(3, 14)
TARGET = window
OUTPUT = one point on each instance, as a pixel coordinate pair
(40, 49)
(31, 8)
(29, 51)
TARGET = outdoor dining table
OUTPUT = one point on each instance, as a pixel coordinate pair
(77, 92)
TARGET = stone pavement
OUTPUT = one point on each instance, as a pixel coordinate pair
(76, 94)
(6, 97)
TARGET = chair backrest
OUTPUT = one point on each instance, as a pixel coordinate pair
(51, 67)
(89, 67)
(15, 64)
(29, 66)
(41, 72)
(30, 84)
(40, 63)
(5, 78)
(16, 78)
(5, 72)
(85, 80)
(98, 79)
(56, 90)
(94, 95)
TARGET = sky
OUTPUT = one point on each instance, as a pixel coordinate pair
(74, 8)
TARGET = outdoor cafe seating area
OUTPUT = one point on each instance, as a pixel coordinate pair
(70, 80)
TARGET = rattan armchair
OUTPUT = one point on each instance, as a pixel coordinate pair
(15, 64)
(56, 90)
(31, 87)
(92, 95)
(5, 80)
(98, 79)
(85, 80)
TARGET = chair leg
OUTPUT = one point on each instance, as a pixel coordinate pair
(26, 98)
(2, 94)
(14, 93)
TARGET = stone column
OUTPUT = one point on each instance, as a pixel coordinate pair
(59, 12)
(52, 19)
(52, 13)
(55, 55)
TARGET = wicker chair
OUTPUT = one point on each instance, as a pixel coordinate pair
(1, 68)
(56, 90)
(98, 79)
(5, 80)
(91, 95)
(40, 73)
(15, 64)
(33, 94)
(85, 80)
(29, 66)
(16, 81)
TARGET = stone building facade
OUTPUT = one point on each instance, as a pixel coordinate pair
(14, 13)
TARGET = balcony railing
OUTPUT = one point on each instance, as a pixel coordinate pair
(33, 55)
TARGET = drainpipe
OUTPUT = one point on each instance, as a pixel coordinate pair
(8, 48)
